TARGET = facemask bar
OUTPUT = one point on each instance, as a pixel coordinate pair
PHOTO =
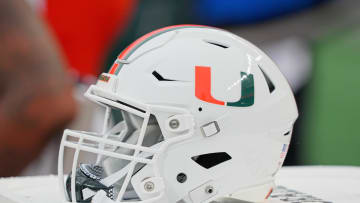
(119, 127)
(141, 154)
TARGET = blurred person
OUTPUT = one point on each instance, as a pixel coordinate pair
(35, 92)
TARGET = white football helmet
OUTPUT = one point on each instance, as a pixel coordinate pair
(193, 114)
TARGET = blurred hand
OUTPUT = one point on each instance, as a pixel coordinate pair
(35, 92)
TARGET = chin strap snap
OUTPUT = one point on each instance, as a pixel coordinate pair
(180, 123)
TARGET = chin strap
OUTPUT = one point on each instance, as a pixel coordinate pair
(87, 183)
(101, 197)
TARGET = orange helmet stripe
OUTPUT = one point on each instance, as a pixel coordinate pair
(125, 54)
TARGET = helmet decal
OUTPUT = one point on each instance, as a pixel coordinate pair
(203, 88)
(203, 85)
(125, 54)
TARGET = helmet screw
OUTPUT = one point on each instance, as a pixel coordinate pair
(181, 177)
(149, 186)
(209, 189)
(174, 123)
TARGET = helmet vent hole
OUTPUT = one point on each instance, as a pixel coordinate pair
(217, 44)
(287, 133)
(200, 109)
(270, 84)
(212, 159)
(160, 77)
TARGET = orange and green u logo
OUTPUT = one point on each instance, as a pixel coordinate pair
(203, 88)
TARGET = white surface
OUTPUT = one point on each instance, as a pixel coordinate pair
(334, 184)
(37, 189)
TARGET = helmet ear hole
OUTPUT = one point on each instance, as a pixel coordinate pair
(200, 109)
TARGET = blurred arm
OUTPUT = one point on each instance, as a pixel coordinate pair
(35, 93)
